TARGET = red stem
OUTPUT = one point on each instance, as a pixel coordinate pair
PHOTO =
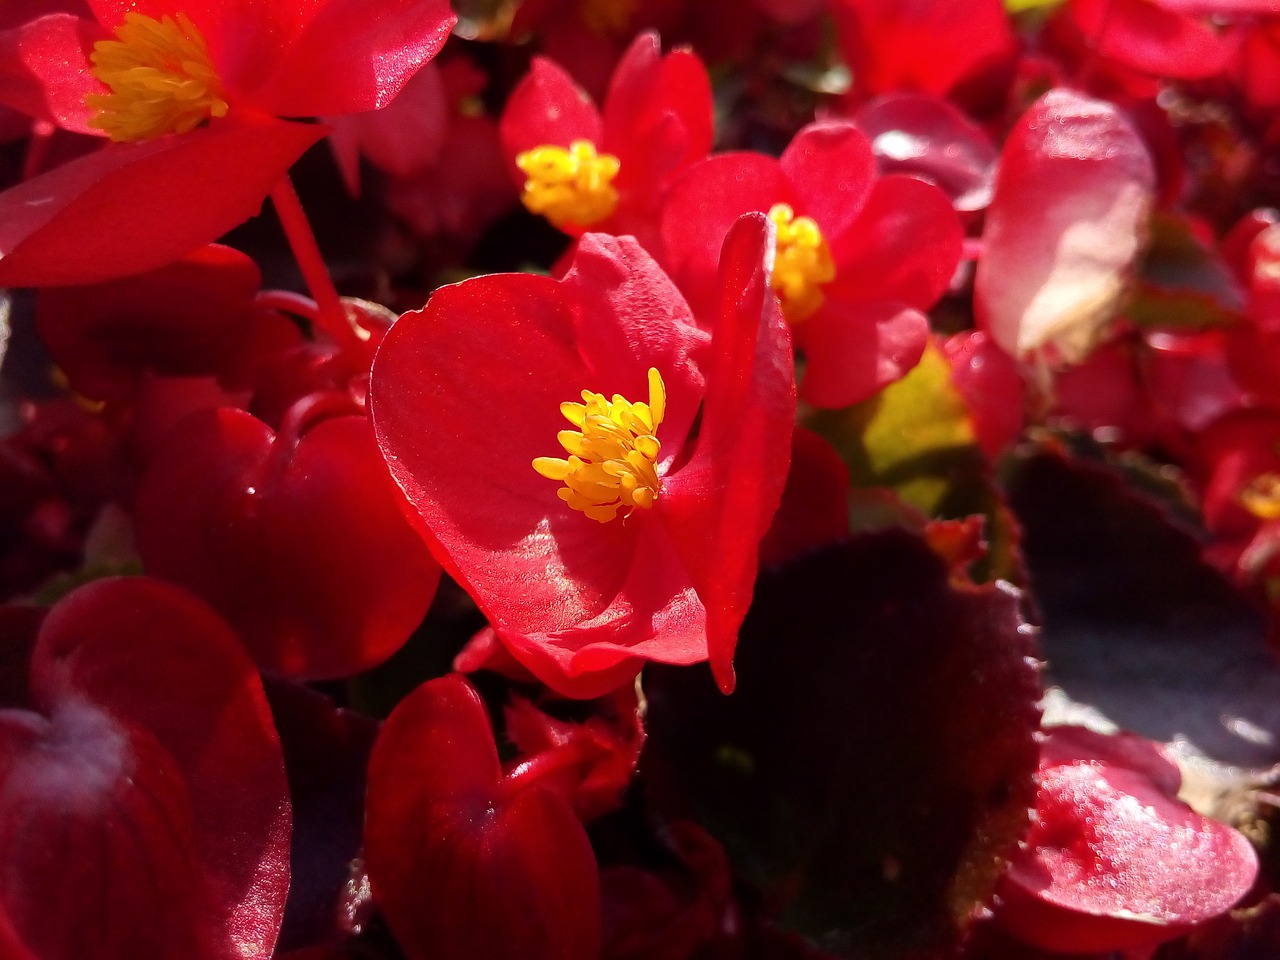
(332, 316)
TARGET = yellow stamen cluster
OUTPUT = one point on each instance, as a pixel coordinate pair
(161, 78)
(571, 188)
(801, 265)
(608, 16)
(613, 454)
(1261, 496)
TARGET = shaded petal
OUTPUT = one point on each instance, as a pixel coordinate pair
(44, 70)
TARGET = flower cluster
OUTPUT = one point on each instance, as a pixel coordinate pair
(606, 509)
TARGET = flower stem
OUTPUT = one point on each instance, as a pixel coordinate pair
(332, 316)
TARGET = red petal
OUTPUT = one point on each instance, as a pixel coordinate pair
(1138, 33)
(658, 119)
(855, 349)
(1114, 861)
(904, 245)
(461, 871)
(1071, 200)
(160, 768)
(718, 506)
(814, 509)
(185, 319)
(134, 207)
(342, 60)
(44, 68)
(830, 169)
(300, 543)
(547, 107)
(701, 208)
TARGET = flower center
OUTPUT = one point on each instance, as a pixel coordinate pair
(161, 78)
(801, 265)
(613, 454)
(1261, 496)
(571, 187)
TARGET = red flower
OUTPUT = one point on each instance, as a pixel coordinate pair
(1114, 861)
(466, 862)
(858, 256)
(581, 599)
(144, 810)
(584, 170)
(193, 92)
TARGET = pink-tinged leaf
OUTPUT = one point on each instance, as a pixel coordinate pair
(926, 137)
(547, 107)
(720, 504)
(1147, 36)
(297, 538)
(133, 207)
(342, 60)
(44, 69)
(1067, 221)
(464, 865)
(1114, 860)
(186, 319)
(145, 810)
(855, 349)
(875, 626)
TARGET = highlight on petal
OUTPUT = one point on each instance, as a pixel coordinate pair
(1066, 223)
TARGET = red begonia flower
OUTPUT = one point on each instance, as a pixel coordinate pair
(295, 536)
(168, 187)
(464, 862)
(656, 122)
(1114, 860)
(582, 603)
(144, 810)
(859, 257)
(1072, 196)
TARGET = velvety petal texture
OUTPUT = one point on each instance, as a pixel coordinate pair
(144, 809)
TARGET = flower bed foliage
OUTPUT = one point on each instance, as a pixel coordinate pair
(605, 504)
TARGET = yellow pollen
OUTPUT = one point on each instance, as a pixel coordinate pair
(1261, 496)
(161, 78)
(801, 265)
(613, 454)
(571, 188)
